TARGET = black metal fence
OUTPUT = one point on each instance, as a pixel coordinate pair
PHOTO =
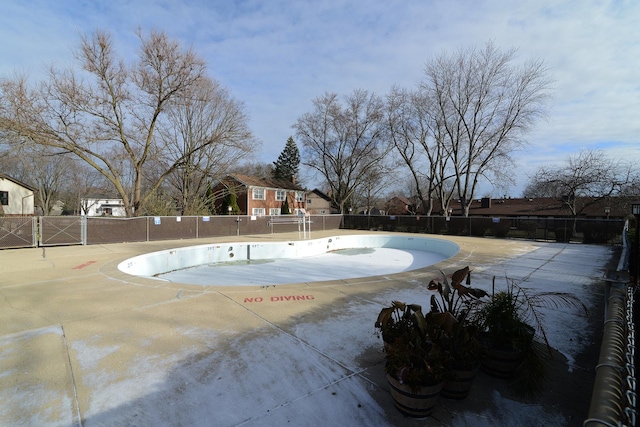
(603, 231)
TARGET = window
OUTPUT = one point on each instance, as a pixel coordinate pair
(281, 195)
(4, 198)
(257, 211)
(308, 201)
(299, 196)
(258, 194)
(274, 211)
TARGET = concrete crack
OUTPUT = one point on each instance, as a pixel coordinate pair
(73, 379)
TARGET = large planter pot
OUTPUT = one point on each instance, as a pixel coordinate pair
(414, 403)
(459, 385)
(500, 363)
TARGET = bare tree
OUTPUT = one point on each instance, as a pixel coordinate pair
(632, 188)
(41, 168)
(108, 114)
(481, 107)
(255, 168)
(583, 180)
(81, 186)
(344, 143)
(204, 116)
(415, 135)
(372, 186)
(48, 173)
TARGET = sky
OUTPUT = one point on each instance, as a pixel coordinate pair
(276, 56)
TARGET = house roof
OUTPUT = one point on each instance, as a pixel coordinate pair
(617, 207)
(321, 194)
(20, 183)
(253, 181)
(102, 196)
(401, 199)
(545, 206)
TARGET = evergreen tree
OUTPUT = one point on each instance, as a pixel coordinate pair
(286, 167)
(285, 210)
(210, 200)
(230, 200)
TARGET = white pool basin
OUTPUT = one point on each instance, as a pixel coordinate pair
(271, 263)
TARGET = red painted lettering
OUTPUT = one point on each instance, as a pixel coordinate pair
(281, 298)
(81, 266)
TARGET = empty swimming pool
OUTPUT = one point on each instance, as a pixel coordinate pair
(273, 263)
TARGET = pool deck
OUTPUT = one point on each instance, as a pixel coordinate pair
(82, 343)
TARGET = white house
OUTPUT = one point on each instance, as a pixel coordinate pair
(16, 198)
(102, 206)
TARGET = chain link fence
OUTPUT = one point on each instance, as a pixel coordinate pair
(18, 232)
(23, 232)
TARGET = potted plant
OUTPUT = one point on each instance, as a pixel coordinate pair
(513, 338)
(459, 338)
(414, 360)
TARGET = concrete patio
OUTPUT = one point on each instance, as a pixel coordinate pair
(82, 343)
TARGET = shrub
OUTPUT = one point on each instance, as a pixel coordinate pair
(563, 235)
(479, 226)
(501, 229)
(457, 226)
(598, 232)
(529, 227)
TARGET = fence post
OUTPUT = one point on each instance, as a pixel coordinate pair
(39, 231)
(546, 229)
(34, 231)
(83, 230)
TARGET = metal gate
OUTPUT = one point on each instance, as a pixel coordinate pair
(18, 232)
(62, 230)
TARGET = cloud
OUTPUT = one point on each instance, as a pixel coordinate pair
(277, 56)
